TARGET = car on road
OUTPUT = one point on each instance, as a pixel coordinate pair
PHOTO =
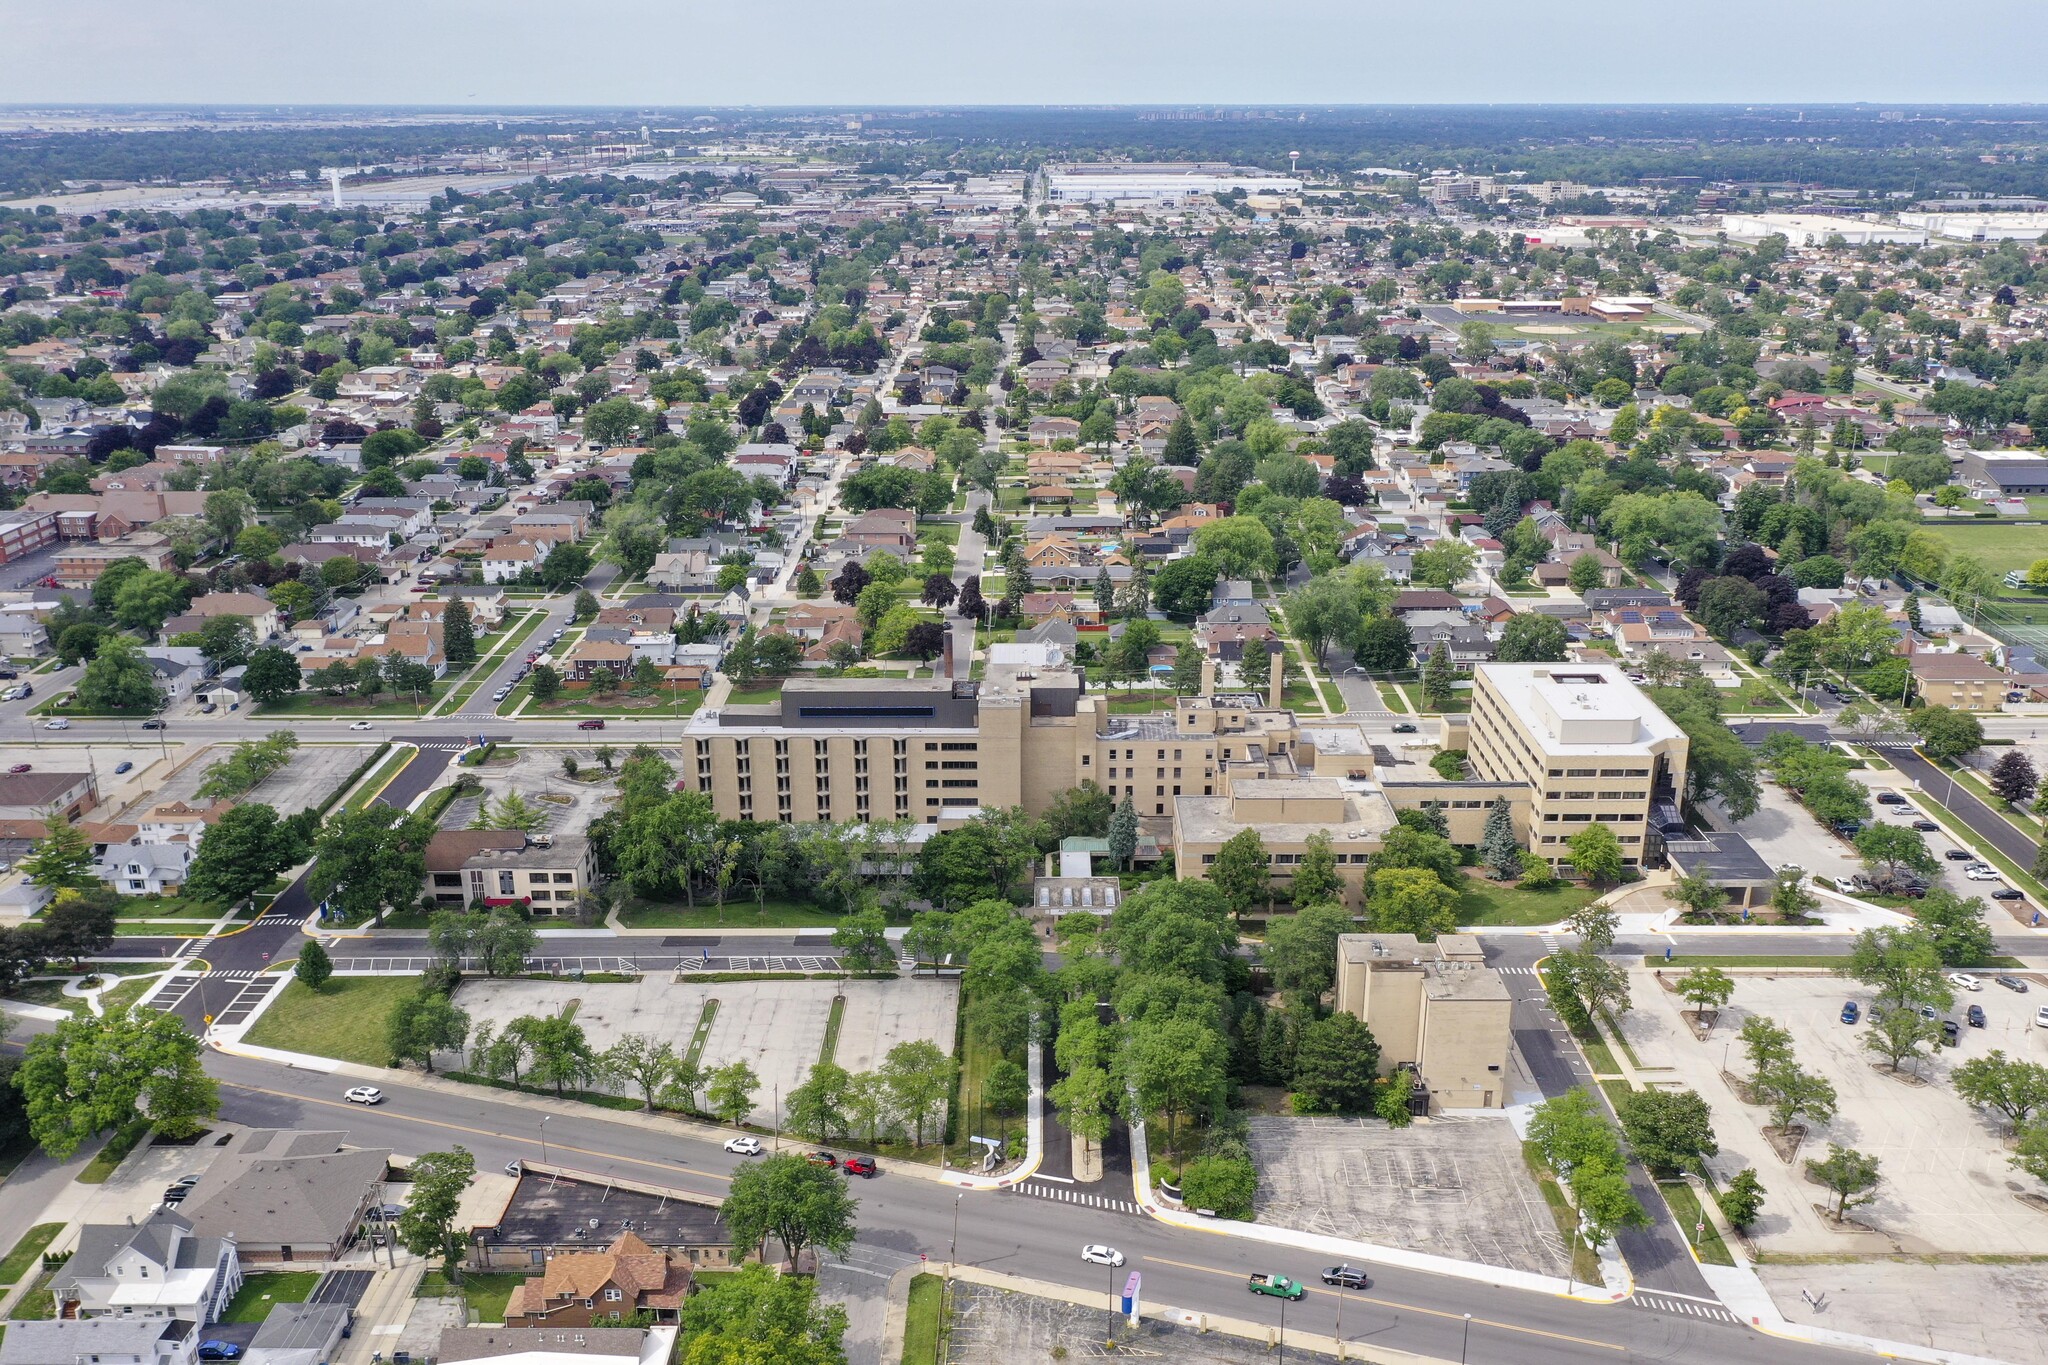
(19, 768)
(1277, 1286)
(219, 1350)
(515, 1167)
(2006, 893)
(1405, 728)
(123, 767)
(1963, 981)
(152, 725)
(743, 1145)
(58, 724)
(1851, 1012)
(862, 1166)
(1974, 1016)
(1097, 1254)
(1925, 826)
(590, 725)
(1347, 1277)
(364, 1094)
(825, 1159)
(359, 725)
(2012, 983)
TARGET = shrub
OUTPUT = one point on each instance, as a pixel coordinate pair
(1220, 1183)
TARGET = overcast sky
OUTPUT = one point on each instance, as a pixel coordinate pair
(689, 52)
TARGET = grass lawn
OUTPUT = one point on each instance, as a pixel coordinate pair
(2002, 548)
(627, 701)
(48, 993)
(756, 696)
(743, 914)
(113, 1154)
(976, 1060)
(35, 1304)
(926, 1317)
(344, 1019)
(167, 907)
(126, 994)
(1685, 1207)
(1481, 902)
(252, 1302)
(1585, 1263)
(139, 929)
(26, 1252)
(317, 703)
(485, 1292)
(367, 790)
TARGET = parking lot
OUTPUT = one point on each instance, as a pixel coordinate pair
(1947, 1186)
(1452, 1187)
(565, 803)
(776, 1027)
(313, 773)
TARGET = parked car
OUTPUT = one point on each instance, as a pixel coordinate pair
(1951, 1033)
(2041, 1017)
(515, 1167)
(1963, 981)
(1925, 826)
(590, 725)
(1890, 799)
(219, 1350)
(1347, 1277)
(1097, 1254)
(9, 673)
(1848, 829)
(122, 767)
(1982, 874)
(2006, 893)
(364, 1094)
(207, 708)
(825, 1159)
(1975, 1016)
(1851, 1012)
(2012, 983)
(862, 1166)
(743, 1145)
(1957, 855)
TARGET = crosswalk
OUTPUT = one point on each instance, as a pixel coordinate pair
(279, 919)
(1516, 971)
(1683, 1304)
(1068, 1194)
(249, 998)
(193, 947)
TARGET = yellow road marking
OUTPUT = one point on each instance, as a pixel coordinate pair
(1408, 1307)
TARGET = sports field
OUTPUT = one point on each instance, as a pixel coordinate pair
(2002, 548)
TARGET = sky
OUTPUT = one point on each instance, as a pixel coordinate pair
(896, 52)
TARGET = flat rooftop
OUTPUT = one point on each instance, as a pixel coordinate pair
(548, 1210)
(1581, 708)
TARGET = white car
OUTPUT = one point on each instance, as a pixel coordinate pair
(58, 724)
(1982, 874)
(360, 725)
(743, 1145)
(364, 1094)
(1963, 981)
(2041, 1017)
(1097, 1254)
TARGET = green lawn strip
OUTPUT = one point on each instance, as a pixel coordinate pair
(756, 696)
(486, 1292)
(49, 994)
(36, 1303)
(140, 929)
(317, 703)
(113, 1154)
(1617, 1090)
(27, 1252)
(1391, 698)
(1613, 1031)
(832, 1022)
(770, 914)
(1685, 1208)
(2000, 548)
(925, 1320)
(167, 907)
(976, 1060)
(695, 1052)
(367, 790)
(126, 994)
(1585, 1262)
(345, 1019)
(1481, 902)
(1600, 1057)
(625, 704)
(252, 1302)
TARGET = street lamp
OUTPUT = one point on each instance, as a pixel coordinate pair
(1465, 1340)
(1283, 1330)
(953, 1247)
(544, 1137)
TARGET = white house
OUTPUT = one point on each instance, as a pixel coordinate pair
(154, 859)
(504, 563)
(157, 1268)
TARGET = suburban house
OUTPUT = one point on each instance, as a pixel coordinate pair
(1962, 681)
(154, 859)
(504, 867)
(586, 1288)
(157, 1268)
(885, 528)
(505, 562)
(284, 1195)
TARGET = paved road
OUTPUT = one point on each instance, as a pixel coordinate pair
(1987, 824)
(1036, 1233)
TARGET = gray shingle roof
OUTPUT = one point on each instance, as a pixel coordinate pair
(273, 1187)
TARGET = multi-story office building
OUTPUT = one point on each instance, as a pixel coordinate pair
(1434, 1007)
(1588, 746)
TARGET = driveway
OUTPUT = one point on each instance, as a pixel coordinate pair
(1782, 832)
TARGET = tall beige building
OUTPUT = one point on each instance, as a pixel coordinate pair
(1588, 745)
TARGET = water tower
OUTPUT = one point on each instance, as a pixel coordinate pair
(1294, 163)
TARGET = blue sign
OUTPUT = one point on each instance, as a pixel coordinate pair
(1130, 1304)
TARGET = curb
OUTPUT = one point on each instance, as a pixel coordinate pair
(896, 1313)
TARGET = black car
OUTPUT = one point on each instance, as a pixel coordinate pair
(1958, 855)
(2005, 893)
(152, 725)
(1951, 1033)
(1347, 1277)
(9, 673)
(1405, 728)
(1975, 1016)
(1890, 799)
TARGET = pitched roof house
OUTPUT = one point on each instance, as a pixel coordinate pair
(586, 1288)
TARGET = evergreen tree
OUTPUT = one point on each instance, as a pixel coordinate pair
(458, 639)
(1105, 591)
(1497, 846)
(1436, 679)
(1182, 445)
(808, 584)
(1255, 669)
(1123, 834)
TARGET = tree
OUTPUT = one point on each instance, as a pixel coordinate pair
(1948, 735)
(546, 683)
(1896, 1034)
(2013, 779)
(77, 924)
(565, 567)
(1596, 926)
(427, 1226)
(1411, 900)
(1596, 854)
(1336, 1066)
(1790, 896)
(1587, 573)
(1792, 1093)
(1743, 1200)
(1301, 949)
(753, 1316)
(1765, 1043)
(61, 858)
(1394, 1097)
(584, 606)
(119, 678)
(1005, 1093)
(89, 1075)
(1706, 988)
(1902, 965)
(246, 847)
(369, 860)
(1532, 637)
(1852, 1177)
(1241, 871)
(1177, 1066)
(919, 1078)
(424, 1023)
(226, 640)
(863, 941)
(1894, 848)
(1669, 1130)
(2014, 1088)
(272, 675)
(2030, 1148)
(730, 1091)
(1322, 611)
(1123, 834)
(458, 638)
(1498, 849)
(1438, 674)
(1961, 937)
(1698, 893)
(314, 967)
(1384, 646)
(1443, 563)
(653, 1068)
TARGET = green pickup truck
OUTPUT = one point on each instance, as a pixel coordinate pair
(1279, 1286)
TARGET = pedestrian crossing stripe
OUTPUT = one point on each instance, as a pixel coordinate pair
(1713, 1312)
(1068, 1196)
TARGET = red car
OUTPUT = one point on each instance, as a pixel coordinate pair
(825, 1159)
(863, 1166)
(19, 768)
(590, 725)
